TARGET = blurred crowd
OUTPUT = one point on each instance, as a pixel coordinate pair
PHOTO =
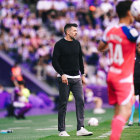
(29, 37)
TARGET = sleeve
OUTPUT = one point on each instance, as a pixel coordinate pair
(131, 33)
(104, 38)
(81, 60)
(55, 57)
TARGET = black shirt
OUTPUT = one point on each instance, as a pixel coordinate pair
(137, 69)
(67, 57)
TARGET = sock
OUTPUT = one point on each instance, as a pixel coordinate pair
(132, 113)
(139, 112)
(117, 127)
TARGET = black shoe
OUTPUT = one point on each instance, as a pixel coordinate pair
(17, 117)
(22, 117)
(138, 123)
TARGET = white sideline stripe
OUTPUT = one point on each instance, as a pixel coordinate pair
(19, 128)
(26, 121)
(47, 129)
(99, 118)
(136, 121)
(66, 126)
(107, 134)
(55, 120)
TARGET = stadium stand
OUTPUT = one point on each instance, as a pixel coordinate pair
(25, 39)
(28, 37)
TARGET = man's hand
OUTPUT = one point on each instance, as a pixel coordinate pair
(83, 79)
(102, 46)
(64, 79)
(137, 18)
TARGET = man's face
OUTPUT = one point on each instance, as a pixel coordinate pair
(72, 32)
(138, 48)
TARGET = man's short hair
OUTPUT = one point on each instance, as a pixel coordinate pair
(122, 8)
(21, 83)
(69, 25)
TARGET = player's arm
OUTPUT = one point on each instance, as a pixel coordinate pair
(103, 43)
(102, 46)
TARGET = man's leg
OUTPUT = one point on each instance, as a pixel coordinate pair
(139, 110)
(131, 116)
(139, 104)
(23, 110)
(10, 110)
(139, 113)
(77, 90)
(121, 115)
(63, 99)
(98, 106)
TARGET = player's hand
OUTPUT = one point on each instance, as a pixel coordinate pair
(137, 18)
(64, 79)
(83, 79)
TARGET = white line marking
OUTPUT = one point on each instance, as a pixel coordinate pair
(47, 129)
(136, 121)
(19, 128)
(107, 134)
(103, 135)
(55, 120)
(66, 126)
(25, 121)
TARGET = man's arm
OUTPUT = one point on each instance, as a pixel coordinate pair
(81, 60)
(81, 65)
(55, 57)
(102, 46)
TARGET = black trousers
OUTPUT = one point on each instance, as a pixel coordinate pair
(74, 85)
(137, 88)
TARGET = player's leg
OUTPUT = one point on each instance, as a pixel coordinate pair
(124, 94)
(139, 111)
(63, 99)
(130, 123)
(23, 110)
(116, 112)
(98, 102)
(139, 105)
(112, 99)
(122, 113)
(98, 106)
(77, 90)
(137, 92)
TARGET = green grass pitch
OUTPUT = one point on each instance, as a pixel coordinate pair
(45, 127)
